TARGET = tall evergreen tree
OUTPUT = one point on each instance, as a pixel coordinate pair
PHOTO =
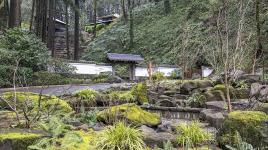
(76, 32)
(14, 14)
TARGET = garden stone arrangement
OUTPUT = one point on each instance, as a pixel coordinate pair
(162, 114)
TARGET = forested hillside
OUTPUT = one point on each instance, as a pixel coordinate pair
(188, 30)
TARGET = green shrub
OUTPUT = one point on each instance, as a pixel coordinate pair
(140, 92)
(62, 138)
(48, 78)
(60, 66)
(129, 112)
(19, 140)
(105, 77)
(172, 85)
(120, 136)
(196, 100)
(49, 105)
(6, 75)
(176, 74)
(248, 123)
(121, 96)
(85, 98)
(88, 117)
(241, 84)
(241, 145)
(17, 44)
(158, 76)
(89, 28)
(87, 95)
(190, 135)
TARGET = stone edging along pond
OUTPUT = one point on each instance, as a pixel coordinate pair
(166, 112)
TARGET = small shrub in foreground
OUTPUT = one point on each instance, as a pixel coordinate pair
(87, 96)
(190, 135)
(120, 136)
(250, 125)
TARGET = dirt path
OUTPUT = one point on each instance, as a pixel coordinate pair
(60, 89)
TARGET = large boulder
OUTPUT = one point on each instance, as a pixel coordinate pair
(249, 78)
(131, 113)
(219, 93)
(214, 95)
(259, 92)
(188, 86)
(214, 117)
(153, 138)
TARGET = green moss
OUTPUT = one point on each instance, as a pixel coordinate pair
(77, 140)
(214, 95)
(121, 96)
(48, 103)
(140, 92)
(131, 113)
(248, 123)
(19, 141)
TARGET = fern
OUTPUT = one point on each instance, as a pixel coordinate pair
(241, 145)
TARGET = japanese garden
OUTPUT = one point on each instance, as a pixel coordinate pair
(133, 74)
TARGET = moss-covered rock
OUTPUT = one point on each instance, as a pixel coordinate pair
(49, 104)
(140, 92)
(130, 113)
(18, 140)
(263, 107)
(76, 140)
(215, 95)
(189, 85)
(218, 93)
(249, 124)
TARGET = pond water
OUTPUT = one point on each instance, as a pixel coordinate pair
(177, 115)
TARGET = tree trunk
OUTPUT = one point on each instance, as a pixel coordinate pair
(124, 10)
(44, 20)
(131, 32)
(15, 14)
(76, 32)
(227, 87)
(258, 52)
(51, 27)
(167, 6)
(67, 31)
(95, 18)
(32, 15)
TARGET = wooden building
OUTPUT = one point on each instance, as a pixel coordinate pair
(130, 59)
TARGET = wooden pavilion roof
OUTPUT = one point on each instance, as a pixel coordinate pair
(124, 57)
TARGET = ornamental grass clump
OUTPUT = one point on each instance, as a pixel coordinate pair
(120, 137)
(191, 135)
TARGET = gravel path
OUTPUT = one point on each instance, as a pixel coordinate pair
(61, 89)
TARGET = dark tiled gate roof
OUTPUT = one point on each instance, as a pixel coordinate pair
(124, 57)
